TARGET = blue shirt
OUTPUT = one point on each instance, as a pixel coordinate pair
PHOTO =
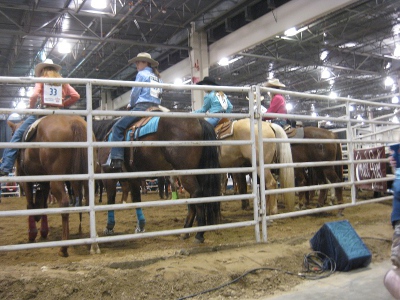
(211, 104)
(146, 94)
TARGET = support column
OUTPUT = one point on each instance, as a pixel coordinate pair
(199, 59)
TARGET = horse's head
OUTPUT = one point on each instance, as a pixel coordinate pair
(14, 126)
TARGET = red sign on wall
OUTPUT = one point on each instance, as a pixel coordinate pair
(371, 170)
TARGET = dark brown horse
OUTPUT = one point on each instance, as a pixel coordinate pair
(311, 152)
(170, 158)
(53, 161)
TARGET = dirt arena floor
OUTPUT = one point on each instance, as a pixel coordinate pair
(171, 268)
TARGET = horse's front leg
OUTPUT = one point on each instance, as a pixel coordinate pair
(111, 191)
(271, 202)
(134, 187)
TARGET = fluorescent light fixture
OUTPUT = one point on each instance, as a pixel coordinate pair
(99, 4)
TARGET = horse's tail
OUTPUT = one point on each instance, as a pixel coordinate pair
(339, 157)
(80, 161)
(286, 175)
(210, 183)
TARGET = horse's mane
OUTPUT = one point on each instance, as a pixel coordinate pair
(102, 127)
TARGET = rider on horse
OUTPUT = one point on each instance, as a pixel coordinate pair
(214, 102)
(142, 98)
(69, 96)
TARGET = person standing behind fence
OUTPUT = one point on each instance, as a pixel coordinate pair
(142, 98)
(49, 98)
(214, 102)
(278, 103)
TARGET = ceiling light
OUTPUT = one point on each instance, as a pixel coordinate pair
(395, 99)
(178, 81)
(64, 47)
(325, 73)
(99, 4)
(389, 81)
(291, 31)
(395, 119)
(223, 61)
(21, 105)
(396, 52)
(324, 55)
(332, 95)
(289, 106)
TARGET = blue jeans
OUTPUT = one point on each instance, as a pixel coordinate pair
(213, 121)
(280, 122)
(121, 125)
(396, 198)
(10, 155)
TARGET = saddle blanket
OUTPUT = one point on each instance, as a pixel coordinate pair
(150, 127)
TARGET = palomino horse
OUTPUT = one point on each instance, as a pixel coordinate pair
(311, 152)
(238, 156)
(170, 158)
(53, 161)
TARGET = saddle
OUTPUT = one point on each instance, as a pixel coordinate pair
(297, 133)
(31, 130)
(224, 128)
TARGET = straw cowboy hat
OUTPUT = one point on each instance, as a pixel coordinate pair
(47, 63)
(274, 83)
(143, 56)
(207, 81)
(255, 95)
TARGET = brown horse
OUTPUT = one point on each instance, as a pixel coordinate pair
(307, 152)
(53, 161)
(170, 158)
(238, 156)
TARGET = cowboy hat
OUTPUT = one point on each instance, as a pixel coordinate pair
(47, 63)
(274, 82)
(143, 56)
(255, 97)
(207, 81)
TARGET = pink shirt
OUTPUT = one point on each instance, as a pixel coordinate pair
(277, 105)
(67, 90)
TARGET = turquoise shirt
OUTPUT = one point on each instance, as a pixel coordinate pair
(212, 105)
(146, 94)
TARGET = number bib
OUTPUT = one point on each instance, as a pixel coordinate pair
(154, 92)
(52, 95)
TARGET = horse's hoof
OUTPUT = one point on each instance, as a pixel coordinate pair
(95, 249)
(199, 240)
(108, 231)
(63, 253)
(44, 233)
(139, 230)
(185, 236)
(340, 213)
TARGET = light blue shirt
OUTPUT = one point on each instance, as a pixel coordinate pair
(212, 105)
(146, 94)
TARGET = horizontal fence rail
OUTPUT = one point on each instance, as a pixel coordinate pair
(259, 219)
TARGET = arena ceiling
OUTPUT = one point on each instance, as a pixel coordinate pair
(359, 43)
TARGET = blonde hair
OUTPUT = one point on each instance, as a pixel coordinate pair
(50, 72)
